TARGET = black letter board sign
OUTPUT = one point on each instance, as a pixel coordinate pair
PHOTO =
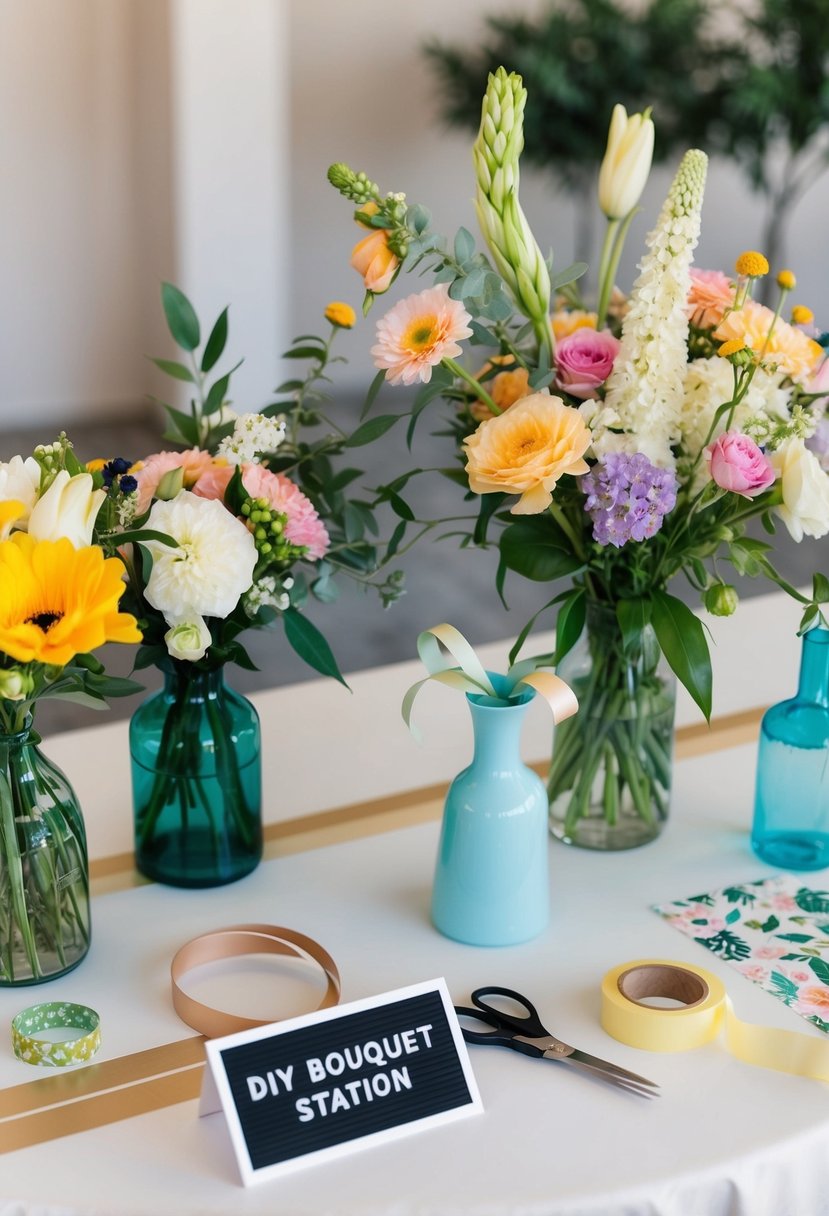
(327, 1083)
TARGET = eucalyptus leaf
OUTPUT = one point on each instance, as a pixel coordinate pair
(181, 317)
(215, 345)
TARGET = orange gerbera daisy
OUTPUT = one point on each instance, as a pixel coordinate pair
(57, 601)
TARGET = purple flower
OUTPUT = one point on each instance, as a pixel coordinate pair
(627, 498)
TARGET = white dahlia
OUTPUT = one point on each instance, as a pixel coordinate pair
(212, 566)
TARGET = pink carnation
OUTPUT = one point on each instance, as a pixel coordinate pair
(303, 526)
(194, 463)
(711, 294)
(584, 360)
(737, 464)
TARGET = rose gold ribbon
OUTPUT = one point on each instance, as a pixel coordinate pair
(235, 942)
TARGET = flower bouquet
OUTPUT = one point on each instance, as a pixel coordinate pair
(59, 601)
(614, 444)
(228, 542)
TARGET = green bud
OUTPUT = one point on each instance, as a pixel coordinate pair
(266, 548)
(170, 485)
(260, 534)
(721, 599)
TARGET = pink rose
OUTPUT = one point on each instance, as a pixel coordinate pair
(737, 464)
(584, 360)
(770, 951)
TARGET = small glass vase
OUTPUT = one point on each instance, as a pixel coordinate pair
(196, 780)
(44, 872)
(791, 806)
(491, 883)
(610, 777)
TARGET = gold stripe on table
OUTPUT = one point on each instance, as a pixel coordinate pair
(106, 1092)
(394, 811)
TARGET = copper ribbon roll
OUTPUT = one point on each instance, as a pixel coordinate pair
(235, 942)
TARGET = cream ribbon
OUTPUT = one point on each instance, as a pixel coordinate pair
(706, 1009)
(451, 660)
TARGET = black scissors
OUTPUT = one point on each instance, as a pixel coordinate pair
(528, 1035)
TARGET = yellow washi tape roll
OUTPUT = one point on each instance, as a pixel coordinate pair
(705, 1009)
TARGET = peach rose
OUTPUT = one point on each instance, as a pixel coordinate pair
(710, 295)
(794, 354)
(526, 450)
(372, 258)
(505, 389)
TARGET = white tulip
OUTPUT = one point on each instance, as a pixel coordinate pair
(68, 509)
(627, 162)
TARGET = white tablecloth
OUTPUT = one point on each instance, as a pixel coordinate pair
(724, 1139)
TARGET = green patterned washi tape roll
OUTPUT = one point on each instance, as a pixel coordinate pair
(63, 1014)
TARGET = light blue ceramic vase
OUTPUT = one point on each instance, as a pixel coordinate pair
(791, 807)
(491, 880)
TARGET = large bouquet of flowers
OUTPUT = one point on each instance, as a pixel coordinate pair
(616, 446)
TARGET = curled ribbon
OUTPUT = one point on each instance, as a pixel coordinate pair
(705, 1009)
(451, 660)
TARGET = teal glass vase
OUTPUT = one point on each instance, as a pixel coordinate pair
(491, 884)
(196, 780)
(44, 872)
(791, 805)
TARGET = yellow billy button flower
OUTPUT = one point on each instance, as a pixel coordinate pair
(341, 315)
(95, 466)
(801, 315)
(786, 280)
(526, 450)
(751, 264)
(732, 347)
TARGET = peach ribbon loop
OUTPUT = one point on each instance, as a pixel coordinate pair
(451, 660)
(234, 942)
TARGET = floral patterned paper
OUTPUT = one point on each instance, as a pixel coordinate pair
(775, 931)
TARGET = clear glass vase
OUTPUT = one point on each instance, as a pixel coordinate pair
(44, 873)
(610, 776)
(196, 780)
(791, 805)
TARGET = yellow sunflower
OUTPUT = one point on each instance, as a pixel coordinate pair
(57, 601)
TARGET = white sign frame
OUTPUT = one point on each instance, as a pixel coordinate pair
(217, 1095)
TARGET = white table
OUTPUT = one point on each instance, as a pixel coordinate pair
(724, 1138)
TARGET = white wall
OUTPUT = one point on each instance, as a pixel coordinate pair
(189, 139)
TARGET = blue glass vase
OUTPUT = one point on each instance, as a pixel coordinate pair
(791, 808)
(491, 879)
(196, 780)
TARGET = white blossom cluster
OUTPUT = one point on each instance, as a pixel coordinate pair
(127, 505)
(269, 591)
(253, 436)
(645, 393)
(708, 384)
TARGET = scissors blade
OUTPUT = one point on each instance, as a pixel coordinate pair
(584, 1057)
(644, 1090)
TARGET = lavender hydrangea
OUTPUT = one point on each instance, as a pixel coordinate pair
(627, 498)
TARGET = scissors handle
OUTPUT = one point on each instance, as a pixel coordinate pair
(499, 1037)
(531, 1025)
